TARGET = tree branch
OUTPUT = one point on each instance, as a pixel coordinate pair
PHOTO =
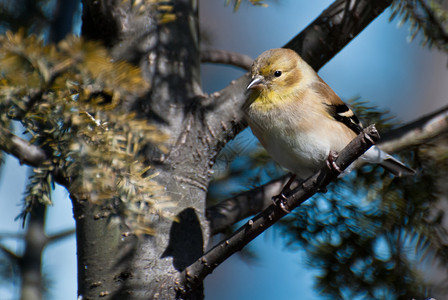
(335, 27)
(25, 152)
(243, 205)
(417, 132)
(28, 154)
(248, 203)
(226, 57)
(193, 275)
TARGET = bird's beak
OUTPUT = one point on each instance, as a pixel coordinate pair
(256, 83)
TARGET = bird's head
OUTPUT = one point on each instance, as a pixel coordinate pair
(276, 70)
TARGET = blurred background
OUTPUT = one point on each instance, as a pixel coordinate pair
(380, 66)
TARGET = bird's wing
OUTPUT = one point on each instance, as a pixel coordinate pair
(335, 108)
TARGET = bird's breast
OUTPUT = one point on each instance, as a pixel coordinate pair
(298, 141)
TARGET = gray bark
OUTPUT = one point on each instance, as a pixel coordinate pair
(111, 263)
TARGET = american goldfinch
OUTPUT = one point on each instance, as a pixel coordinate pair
(299, 119)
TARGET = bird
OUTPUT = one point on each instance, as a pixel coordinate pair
(300, 120)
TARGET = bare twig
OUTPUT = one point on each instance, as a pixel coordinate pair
(245, 204)
(226, 57)
(11, 255)
(195, 273)
(11, 235)
(46, 239)
(60, 235)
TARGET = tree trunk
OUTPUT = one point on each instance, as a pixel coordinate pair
(113, 264)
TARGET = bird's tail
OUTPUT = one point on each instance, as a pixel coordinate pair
(396, 167)
(388, 162)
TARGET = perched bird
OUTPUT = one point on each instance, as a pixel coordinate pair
(299, 119)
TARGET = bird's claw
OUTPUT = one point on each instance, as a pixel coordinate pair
(280, 200)
(331, 162)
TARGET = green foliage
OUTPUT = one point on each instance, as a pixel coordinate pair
(40, 186)
(427, 16)
(70, 100)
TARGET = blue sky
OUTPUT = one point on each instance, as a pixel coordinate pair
(380, 65)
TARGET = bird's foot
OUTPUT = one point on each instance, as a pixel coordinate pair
(331, 162)
(287, 186)
(280, 200)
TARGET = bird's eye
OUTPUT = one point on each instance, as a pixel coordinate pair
(278, 73)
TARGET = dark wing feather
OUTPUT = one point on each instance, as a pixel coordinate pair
(342, 113)
(336, 108)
